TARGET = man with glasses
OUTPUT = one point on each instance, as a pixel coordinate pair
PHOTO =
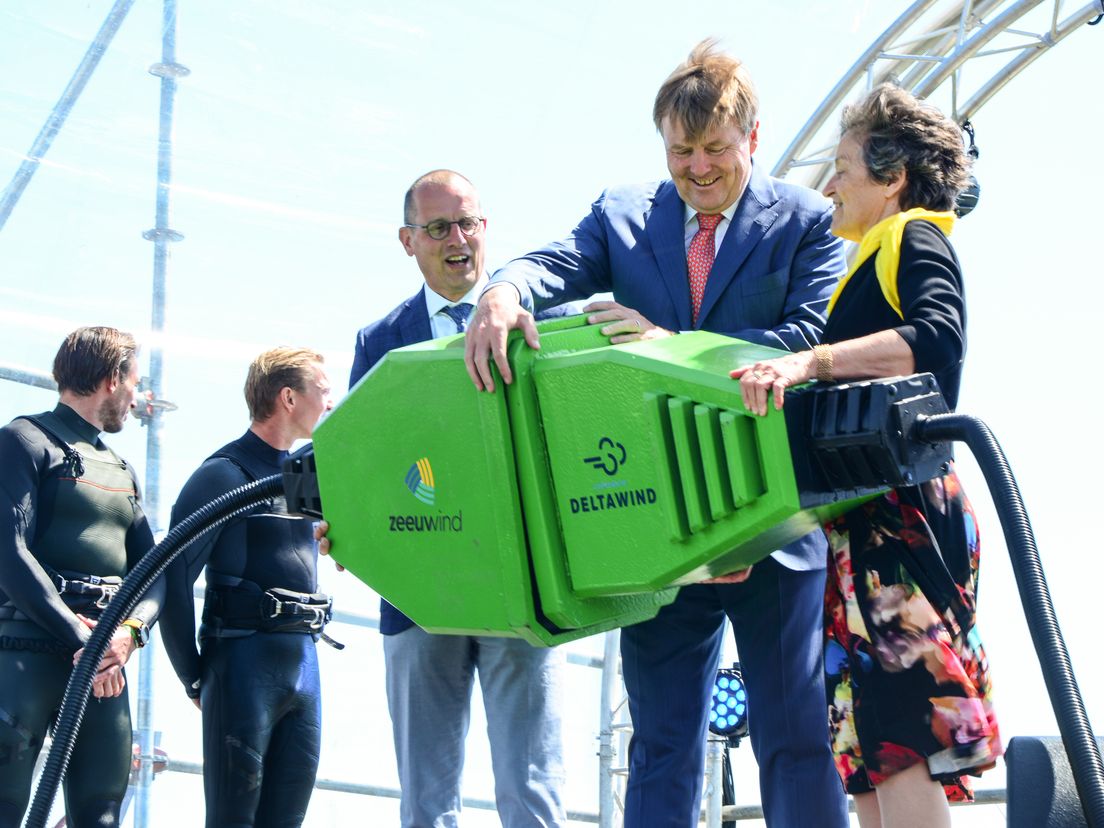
(430, 677)
(71, 528)
(719, 247)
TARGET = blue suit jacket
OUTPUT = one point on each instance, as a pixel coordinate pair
(405, 325)
(770, 282)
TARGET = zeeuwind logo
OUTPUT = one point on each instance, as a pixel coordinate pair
(420, 481)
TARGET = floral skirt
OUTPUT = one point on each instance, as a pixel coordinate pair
(908, 680)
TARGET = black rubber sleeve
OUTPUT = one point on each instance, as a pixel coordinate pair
(148, 569)
(1042, 622)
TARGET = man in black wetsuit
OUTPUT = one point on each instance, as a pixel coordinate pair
(256, 674)
(71, 527)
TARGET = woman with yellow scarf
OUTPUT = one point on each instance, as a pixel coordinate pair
(910, 699)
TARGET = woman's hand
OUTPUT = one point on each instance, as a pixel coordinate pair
(773, 376)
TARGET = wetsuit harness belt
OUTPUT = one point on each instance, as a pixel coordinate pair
(87, 594)
(271, 610)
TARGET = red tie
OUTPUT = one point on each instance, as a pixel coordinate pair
(699, 259)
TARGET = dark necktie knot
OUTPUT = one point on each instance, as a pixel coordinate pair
(459, 314)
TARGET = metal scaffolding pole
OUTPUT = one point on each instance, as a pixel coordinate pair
(168, 70)
(607, 752)
(27, 376)
(62, 108)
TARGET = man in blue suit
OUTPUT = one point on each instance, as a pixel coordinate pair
(430, 677)
(721, 247)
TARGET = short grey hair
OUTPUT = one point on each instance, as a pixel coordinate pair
(900, 133)
(431, 177)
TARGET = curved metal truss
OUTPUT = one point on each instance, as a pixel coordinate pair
(964, 52)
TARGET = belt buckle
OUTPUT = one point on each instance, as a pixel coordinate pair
(277, 605)
(106, 594)
(324, 612)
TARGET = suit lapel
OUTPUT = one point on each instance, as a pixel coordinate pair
(755, 213)
(665, 226)
(414, 322)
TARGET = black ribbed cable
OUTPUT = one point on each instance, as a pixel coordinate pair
(134, 586)
(1065, 697)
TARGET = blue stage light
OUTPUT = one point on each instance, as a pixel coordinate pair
(728, 710)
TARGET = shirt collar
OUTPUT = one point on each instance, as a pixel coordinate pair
(435, 302)
(691, 214)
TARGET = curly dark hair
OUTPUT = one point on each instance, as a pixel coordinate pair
(898, 132)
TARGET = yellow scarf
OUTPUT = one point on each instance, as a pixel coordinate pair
(885, 239)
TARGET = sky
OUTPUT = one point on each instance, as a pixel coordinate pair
(299, 129)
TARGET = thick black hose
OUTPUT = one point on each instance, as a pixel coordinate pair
(1065, 697)
(152, 564)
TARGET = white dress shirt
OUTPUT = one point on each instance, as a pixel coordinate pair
(690, 228)
(440, 322)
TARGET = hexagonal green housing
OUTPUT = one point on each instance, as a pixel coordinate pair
(573, 501)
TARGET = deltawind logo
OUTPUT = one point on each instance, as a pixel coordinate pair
(420, 481)
(611, 456)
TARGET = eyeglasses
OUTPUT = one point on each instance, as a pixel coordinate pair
(439, 228)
